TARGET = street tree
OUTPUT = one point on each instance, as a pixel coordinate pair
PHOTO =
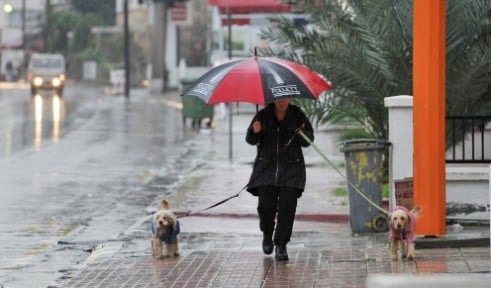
(69, 31)
(106, 10)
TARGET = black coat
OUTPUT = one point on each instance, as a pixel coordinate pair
(279, 160)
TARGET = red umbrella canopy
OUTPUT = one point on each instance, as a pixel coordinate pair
(259, 80)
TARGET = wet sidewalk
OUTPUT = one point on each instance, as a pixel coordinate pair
(331, 258)
(221, 247)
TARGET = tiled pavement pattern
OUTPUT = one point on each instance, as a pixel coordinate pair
(316, 260)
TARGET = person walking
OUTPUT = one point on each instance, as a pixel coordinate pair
(9, 71)
(278, 176)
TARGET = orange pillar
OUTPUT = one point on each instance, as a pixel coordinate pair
(429, 115)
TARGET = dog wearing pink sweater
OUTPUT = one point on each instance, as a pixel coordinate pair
(402, 223)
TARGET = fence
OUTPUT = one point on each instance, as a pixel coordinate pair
(468, 139)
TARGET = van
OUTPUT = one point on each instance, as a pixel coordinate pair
(46, 71)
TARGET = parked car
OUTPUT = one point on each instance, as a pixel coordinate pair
(46, 71)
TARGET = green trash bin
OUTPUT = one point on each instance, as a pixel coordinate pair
(194, 107)
(364, 169)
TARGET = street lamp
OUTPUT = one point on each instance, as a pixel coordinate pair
(7, 8)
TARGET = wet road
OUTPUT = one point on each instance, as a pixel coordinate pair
(71, 170)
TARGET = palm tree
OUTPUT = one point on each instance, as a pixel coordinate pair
(364, 47)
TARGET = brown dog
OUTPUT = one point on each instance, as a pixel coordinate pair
(402, 223)
(165, 228)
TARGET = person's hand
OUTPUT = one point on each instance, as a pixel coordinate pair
(256, 127)
(300, 128)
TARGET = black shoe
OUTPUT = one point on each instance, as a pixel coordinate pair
(280, 253)
(267, 244)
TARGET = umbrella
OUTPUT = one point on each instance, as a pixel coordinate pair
(259, 80)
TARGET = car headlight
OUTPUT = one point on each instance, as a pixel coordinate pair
(37, 81)
(56, 82)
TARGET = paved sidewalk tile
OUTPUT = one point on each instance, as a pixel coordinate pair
(316, 260)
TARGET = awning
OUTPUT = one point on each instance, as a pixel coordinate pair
(251, 6)
(248, 19)
(236, 21)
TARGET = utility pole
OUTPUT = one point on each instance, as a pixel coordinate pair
(23, 28)
(230, 111)
(164, 46)
(126, 52)
(48, 16)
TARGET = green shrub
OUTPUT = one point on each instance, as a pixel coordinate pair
(384, 189)
(340, 191)
(357, 133)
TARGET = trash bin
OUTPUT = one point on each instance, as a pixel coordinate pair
(194, 107)
(364, 169)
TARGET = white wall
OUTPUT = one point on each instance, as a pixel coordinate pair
(13, 35)
(132, 4)
(401, 134)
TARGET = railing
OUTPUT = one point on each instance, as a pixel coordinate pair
(468, 140)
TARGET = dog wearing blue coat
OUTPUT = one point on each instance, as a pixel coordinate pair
(165, 228)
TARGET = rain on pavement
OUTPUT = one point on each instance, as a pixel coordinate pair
(73, 167)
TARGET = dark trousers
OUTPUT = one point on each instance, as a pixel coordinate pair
(279, 203)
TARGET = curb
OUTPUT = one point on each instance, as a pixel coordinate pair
(333, 218)
(445, 242)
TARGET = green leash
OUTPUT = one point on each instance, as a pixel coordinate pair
(340, 173)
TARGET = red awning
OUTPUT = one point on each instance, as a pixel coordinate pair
(251, 6)
(237, 21)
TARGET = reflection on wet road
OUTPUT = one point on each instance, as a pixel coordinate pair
(28, 121)
(53, 117)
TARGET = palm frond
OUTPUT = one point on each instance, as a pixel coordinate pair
(364, 47)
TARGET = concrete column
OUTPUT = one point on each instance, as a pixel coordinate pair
(171, 55)
(401, 134)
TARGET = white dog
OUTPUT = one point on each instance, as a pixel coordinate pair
(165, 228)
(402, 223)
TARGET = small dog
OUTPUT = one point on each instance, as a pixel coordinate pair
(402, 223)
(165, 228)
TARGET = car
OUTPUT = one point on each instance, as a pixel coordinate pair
(47, 71)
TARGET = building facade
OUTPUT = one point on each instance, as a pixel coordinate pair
(21, 23)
